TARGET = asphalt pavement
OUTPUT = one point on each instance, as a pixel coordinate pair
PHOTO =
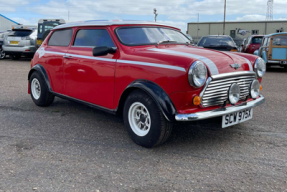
(71, 147)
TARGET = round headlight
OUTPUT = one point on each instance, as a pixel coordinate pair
(234, 93)
(197, 74)
(254, 89)
(260, 67)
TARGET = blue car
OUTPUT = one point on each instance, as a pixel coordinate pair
(273, 49)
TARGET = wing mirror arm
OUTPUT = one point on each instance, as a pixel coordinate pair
(103, 50)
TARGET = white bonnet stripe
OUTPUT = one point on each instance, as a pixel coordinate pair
(212, 67)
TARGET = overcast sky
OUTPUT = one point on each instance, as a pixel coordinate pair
(173, 12)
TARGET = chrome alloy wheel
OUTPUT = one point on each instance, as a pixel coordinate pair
(36, 88)
(2, 54)
(139, 119)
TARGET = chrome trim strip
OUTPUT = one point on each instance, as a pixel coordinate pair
(212, 67)
(270, 61)
(205, 86)
(232, 74)
(218, 112)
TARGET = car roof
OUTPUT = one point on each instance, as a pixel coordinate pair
(283, 33)
(108, 23)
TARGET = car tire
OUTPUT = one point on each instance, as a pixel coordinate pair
(2, 54)
(145, 123)
(40, 94)
(15, 57)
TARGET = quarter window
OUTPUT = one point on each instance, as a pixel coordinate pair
(93, 38)
(61, 38)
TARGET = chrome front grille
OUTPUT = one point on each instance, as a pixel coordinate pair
(216, 90)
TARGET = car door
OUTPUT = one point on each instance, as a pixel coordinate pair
(90, 78)
(263, 51)
(52, 54)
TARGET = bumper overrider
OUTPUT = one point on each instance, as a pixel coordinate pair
(219, 112)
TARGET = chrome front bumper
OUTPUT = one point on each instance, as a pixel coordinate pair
(219, 112)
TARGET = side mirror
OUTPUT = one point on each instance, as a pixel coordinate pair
(101, 51)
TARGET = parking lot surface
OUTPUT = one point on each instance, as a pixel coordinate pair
(71, 147)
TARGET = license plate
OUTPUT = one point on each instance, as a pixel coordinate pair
(39, 42)
(283, 62)
(14, 42)
(237, 117)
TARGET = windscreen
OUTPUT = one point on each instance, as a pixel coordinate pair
(21, 33)
(280, 40)
(50, 25)
(257, 40)
(216, 42)
(150, 35)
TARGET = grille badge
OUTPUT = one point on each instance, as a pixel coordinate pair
(235, 66)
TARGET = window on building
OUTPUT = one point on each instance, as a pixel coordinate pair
(279, 30)
(232, 33)
(61, 38)
(255, 32)
(93, 38)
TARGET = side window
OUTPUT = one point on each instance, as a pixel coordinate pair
(40, 28)
(61, 38)
(268, 41)
(263, 42)
(93, 38)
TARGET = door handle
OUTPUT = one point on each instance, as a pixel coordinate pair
(67, 57)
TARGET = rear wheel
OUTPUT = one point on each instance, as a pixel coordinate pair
(39, 91)
(2, 54)
(15, 57)
(144, 121)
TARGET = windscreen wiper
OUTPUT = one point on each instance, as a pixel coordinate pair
(166, 41)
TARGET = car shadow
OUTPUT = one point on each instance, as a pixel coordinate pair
(276, 69)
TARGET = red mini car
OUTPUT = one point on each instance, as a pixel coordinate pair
(251, 44)
(147, 72)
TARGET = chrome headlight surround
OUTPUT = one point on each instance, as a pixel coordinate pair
(254, 89)
(234, 93)
(260, 67)
(197, 74)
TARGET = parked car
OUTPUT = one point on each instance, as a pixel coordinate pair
(20, 41)
(252, 44)
(148, 73)
(2, 53)
(218, 42)
(274, 49)
(44, 28)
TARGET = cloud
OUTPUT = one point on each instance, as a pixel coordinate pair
(251, 18)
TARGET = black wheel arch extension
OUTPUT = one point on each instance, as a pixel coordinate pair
(160, 97)
(41, 70)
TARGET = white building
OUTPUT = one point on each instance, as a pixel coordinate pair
(197, 30)
(6, 23)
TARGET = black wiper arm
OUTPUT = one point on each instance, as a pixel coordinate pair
(166, 41)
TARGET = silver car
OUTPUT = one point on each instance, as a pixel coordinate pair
(20, 42)
(2, 53)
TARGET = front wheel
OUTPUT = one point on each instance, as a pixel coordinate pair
(39, 91)
(144, 121)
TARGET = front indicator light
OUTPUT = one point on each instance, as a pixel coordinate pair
(196, 100)
(261, 88)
